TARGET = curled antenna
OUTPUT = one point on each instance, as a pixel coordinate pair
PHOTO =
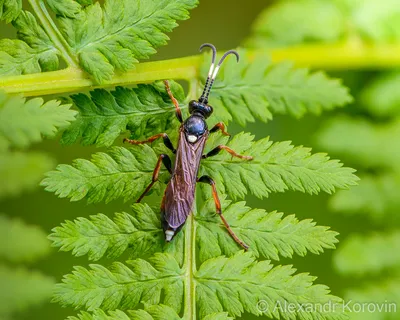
(210, 72)
(207, 89)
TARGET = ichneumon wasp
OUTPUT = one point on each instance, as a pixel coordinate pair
(179, 194)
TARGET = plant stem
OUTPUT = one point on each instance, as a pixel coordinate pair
(190, 267)
(52, 31)
(74, 79)
(327, 56)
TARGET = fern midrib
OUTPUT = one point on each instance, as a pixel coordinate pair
(190, 268)
(52, 31)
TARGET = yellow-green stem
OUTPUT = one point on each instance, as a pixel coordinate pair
(189, 312)
(329, 57)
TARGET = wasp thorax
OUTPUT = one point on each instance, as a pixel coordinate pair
(201, 108)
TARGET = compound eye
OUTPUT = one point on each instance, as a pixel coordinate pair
(209, 110)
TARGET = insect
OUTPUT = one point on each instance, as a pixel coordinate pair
(179, 194)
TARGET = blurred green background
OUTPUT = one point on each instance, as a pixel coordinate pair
(225, 24)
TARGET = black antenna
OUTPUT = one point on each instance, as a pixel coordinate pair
(210, 72)
(207, 90)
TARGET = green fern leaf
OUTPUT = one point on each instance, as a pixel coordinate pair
(268, 234)
(239, 283)
(101, 315)
(377, 196)
(22, 171)
(257, 89)
(219, 283)
(113, 38)
(368, 254)
(276, 167)
(122, 173)
(21, 242)
(28, 120)
(65, 8)
(10, 9)
(33, 52)
(157, 312)
(341, 136)
(105, 115)
(218, 316)
(123, 288)
(21, 288)
(100, 236)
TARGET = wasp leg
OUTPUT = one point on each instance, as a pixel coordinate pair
(165, 137)
(163, 159)
(174, 101)
(208, 180)
(220, 126)
(218, 149)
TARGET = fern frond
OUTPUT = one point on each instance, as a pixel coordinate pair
(21, 288)
(9, 10)
(100, 236)
(105, 115)
(256, 89)
(121, 173)
(114, 37)
(368, 254)
(65, 8)
(242, 281)
(276, 167)
(378, 148)
(21, 242)
(29, 120)
(237, 284)
(376, 195)
(382, 97)
(155, 312)
(22, 171)
(123, 287)
(33, 52)
(269, 235)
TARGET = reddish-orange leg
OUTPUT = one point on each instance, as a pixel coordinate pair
(217, 150)
(174, 101)
(163, 159)
(220, 126)
(208, 180)
(165, 137)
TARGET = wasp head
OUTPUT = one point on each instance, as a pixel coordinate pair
(201, 108)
